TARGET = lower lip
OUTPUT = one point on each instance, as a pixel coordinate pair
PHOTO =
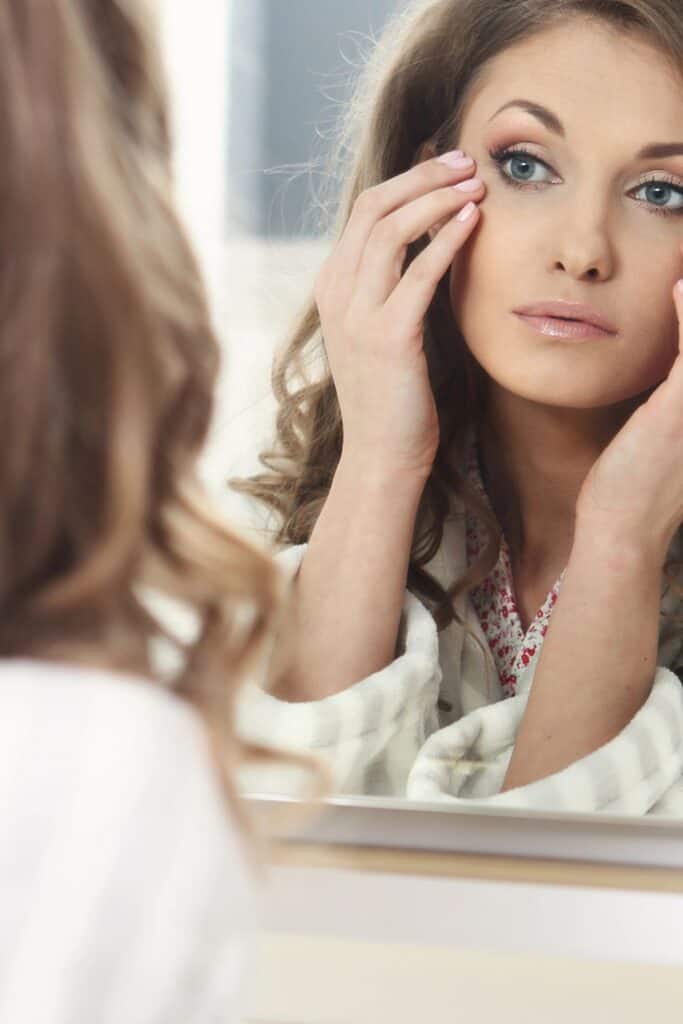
(555, 328)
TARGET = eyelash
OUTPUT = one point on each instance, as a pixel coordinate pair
(504, 153)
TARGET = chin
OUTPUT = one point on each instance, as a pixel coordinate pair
(563, 394)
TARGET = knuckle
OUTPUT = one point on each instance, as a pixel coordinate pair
(431, 174)
(386, 232)
(366, 202)
(420, 270)
(448, 199)
(421, 266)
(433, 170)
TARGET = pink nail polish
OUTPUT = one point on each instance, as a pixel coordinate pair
(466, 211)
(470, 185)
(450, 158)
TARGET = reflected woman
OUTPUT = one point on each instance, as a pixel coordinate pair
(480, 492)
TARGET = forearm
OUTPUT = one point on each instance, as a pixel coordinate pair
(350, 587)
(598, 659)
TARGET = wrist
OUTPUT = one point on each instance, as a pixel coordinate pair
(618, 548)
(382, 474)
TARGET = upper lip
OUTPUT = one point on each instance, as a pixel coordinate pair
(570, 311)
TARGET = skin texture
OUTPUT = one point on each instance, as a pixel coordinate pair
(581, 230)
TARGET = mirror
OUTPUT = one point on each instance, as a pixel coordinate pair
(570, 213)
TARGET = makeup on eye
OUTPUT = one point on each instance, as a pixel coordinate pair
(552, 123)
(502, 154)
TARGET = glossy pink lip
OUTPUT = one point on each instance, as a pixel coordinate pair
(576, 311)
(553, 327)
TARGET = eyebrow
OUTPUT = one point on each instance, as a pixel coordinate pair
(655, 150)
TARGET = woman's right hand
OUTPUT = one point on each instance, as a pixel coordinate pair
(372, 313)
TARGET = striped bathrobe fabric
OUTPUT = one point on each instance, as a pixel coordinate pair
(385, 736)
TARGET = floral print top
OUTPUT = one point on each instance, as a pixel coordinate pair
(494, 598)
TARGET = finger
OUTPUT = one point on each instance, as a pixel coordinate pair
(382, 263)
(678, 301)
(410, 300)
(379, 201)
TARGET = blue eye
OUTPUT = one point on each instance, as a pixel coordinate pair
(523, 159)
(667, 187)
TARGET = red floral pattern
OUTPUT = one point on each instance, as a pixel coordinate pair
(494, 599)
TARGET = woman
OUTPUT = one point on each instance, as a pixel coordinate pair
(130, 612)
(496, 422)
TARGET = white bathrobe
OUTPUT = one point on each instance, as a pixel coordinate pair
(126, 897)
(385, 735)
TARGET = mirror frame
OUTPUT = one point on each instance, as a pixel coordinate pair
(392, 834)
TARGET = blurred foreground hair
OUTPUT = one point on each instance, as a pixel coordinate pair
(108, 367)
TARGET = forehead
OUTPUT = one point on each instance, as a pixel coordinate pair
(586, 71)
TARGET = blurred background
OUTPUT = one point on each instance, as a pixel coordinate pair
(257, 87)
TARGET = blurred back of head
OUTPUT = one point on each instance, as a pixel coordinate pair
(107, 368)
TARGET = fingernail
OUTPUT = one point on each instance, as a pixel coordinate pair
(471, 185)
(679, 288)
(466, 211)
(452, 159)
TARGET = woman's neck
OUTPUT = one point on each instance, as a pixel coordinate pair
(534, 461)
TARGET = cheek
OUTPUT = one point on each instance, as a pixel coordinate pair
(482, 275)
(665, 348)
(650, 312)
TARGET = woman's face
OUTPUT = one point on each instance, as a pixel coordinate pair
(587, 224)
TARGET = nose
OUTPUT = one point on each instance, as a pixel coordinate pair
(584, 244)
(585, 262)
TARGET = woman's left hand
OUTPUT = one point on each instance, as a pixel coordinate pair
(634, 491)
